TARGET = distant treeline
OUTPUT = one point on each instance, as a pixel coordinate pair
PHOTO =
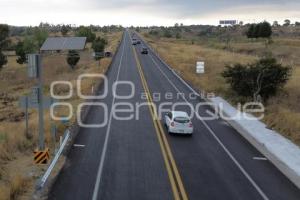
(28, 39)
(258, 30)
(55, 28)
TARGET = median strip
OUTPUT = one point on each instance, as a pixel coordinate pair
(173, 173)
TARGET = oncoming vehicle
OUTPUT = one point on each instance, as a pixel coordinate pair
(144, 50)
(138, 42)
(178, 122)
(134, 41)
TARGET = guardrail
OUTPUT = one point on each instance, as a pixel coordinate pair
(46, 181)
(45, 177)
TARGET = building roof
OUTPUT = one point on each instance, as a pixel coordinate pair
(63, 43)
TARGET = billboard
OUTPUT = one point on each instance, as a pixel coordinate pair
(228, 22)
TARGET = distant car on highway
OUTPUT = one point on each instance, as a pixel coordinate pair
(138, 42)
(178, 122)
(134, 41)
(144, 50)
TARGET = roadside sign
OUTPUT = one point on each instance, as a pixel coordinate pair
(35, 95)
(200, 67)
(64, 121)
(47, 102)
(33, 65)
(41, 157)
(98, 54)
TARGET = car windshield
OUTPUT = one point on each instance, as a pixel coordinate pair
(181, 119)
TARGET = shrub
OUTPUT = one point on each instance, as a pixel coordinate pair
(26, 47)
(263, 78)
(73, 58)
(98, 46)
(86, 32)
(4, 31)
(178, 36)
(167, 33)
(3, 59)
(261, 30)
(20, 52)
(64, 30)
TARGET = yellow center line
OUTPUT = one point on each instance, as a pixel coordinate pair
(164, 145)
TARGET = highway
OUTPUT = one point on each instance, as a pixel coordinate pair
(137, 159)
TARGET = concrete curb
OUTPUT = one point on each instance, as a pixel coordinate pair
(262, 146)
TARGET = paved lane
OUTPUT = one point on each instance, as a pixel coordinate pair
(133, 167)
(216, 163)
(136, 159)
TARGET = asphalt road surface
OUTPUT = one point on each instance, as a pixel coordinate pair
(134, 158)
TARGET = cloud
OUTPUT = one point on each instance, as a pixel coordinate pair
(143, 12)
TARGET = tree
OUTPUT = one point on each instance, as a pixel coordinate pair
(64, 30)
(3, 59)
(251, 31)
(178, 36)
(30, 45)
(265, 30)
(256, 31)
(86, 32)
(263, 78)
(72, 58)
(40, 35)
(154, 32)
(98, 46)
(287, 22)
(275, 24)
(26, 47)
(167, 33)
(20, 52)
(4, 31)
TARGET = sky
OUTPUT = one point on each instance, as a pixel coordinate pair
(145, 12)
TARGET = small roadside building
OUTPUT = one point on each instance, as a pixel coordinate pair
(57, 44)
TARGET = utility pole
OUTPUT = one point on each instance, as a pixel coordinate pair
(41, 105)
(26, 116)
(35, 71)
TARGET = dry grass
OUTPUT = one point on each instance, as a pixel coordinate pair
(183, 58)
(14, 144)
(282, 111)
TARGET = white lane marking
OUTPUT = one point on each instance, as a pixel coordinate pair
(104, 149)
(263, 195)
(172, 70)
(211, 114)
(259, 158)
(79, 145)
(224, 123)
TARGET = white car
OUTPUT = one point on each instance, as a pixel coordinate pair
(179, 122)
